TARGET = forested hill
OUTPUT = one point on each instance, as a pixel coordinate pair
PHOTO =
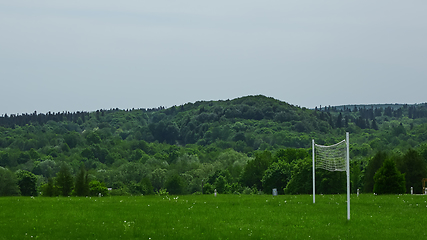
(245, 124)
(204, 132)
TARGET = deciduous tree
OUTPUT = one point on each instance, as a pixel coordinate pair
(8, 183)
(27, 183)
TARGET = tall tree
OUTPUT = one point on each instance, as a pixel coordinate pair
(64, 180)
(50, 189)
(415, 169)
(374, 164)
(8, 183)
(81, 186)
(254, 170)
(388, 180)
(339, 121)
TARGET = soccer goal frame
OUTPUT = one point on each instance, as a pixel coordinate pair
(347, 168)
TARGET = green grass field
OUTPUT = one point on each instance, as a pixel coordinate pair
(209, 217)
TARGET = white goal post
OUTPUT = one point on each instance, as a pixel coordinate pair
(333, 158)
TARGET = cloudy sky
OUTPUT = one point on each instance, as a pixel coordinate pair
(88, 55)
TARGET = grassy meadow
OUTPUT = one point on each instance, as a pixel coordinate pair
(209, 217)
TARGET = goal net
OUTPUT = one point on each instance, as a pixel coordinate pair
(332, 158)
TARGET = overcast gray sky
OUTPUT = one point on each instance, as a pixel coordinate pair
(101, 54)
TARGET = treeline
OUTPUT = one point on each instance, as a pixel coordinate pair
(25, 183)
(206, 142)
(287, 170)
(41, 118)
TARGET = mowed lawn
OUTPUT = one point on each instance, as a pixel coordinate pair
(209, 217)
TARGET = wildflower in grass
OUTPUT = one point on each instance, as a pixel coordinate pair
(129, 226)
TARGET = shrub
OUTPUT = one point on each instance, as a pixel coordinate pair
(208, 188)
(27, 183)
(162, 192)
(96, 188)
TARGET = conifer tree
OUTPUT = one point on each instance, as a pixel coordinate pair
(50, 188)
(64, 180)
(81, 187)
(388, 180)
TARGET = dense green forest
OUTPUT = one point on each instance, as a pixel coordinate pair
(245, 145)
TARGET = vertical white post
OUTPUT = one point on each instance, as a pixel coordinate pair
(314, 181)
(348, 175)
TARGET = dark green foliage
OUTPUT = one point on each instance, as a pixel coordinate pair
(326, 182)
(134, 188)
(220, 180)
(221, 185)
(415, 169)
(87, 153)
(64, 180)
(49, 189)
(132, 172)
(99, 153)
(146, 187)
(158, 178)
(204, 140)
(27, 183)
(93, 138)
(398, 130)
(47, 168)
(290, 154)
(276, 176)
(254, 170)
(72, 139)
(374, 124)
(208, 188)
(330, 182)
(23, 157)
(165, 132)
(374, 164)
(81, 186)
(302, 178)
(8, 183)
(5, 159)
(388, 180)
(423, 152)
(34, 155)
(355, 176)
(175, 184)
(65, 147)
